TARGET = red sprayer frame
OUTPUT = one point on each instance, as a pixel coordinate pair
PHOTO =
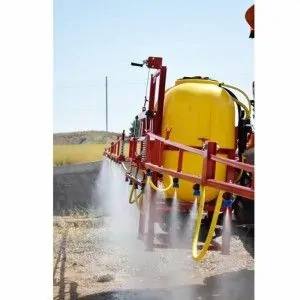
(151, 159)
(156, 145)
(154, 157)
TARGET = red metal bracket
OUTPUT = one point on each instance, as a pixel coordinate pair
(153, 120)
(154, 62)
(208, 173)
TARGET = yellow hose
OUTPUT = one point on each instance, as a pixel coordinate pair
(200, 255)
(133, 193)
(139, 201)
(247, 110)
(124, 167)
(159, 189)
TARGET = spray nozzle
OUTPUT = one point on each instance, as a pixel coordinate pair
(196, 188)
(175, 183)
(227, 200)
(227, 203)
(148, 172)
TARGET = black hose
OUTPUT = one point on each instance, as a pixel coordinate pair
(137, 65)
(242, 133)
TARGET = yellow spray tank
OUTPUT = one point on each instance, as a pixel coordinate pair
(195, 109)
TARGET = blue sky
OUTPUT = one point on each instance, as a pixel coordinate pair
(96, 38)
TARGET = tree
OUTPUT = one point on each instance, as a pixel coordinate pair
(134, 129)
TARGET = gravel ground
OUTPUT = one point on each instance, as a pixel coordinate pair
(105, 260)
(101, 264)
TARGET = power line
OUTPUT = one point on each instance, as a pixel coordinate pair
(83, 86)
(106, 104)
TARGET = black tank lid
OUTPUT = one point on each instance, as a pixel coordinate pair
(197, 77)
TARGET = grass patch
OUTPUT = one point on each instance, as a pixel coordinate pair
(77, 154)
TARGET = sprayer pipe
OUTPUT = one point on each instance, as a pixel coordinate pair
(135, 180)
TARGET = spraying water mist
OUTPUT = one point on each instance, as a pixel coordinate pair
(145, 270)
(192, 218)
(111, 193)
(226, 231)
(174, 220)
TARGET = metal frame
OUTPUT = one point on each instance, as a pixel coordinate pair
(155, 147)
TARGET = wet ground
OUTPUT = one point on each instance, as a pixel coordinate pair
(99, 266)
(102, 258)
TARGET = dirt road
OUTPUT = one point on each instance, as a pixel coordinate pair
(94, 255)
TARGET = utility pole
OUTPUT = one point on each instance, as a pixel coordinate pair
(106, 104)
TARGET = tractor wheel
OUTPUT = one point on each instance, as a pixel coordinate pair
(244, 210)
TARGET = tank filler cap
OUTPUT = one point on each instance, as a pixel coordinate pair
(197, 79)
(194, 77)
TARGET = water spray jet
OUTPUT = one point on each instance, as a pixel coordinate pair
(226, 232)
